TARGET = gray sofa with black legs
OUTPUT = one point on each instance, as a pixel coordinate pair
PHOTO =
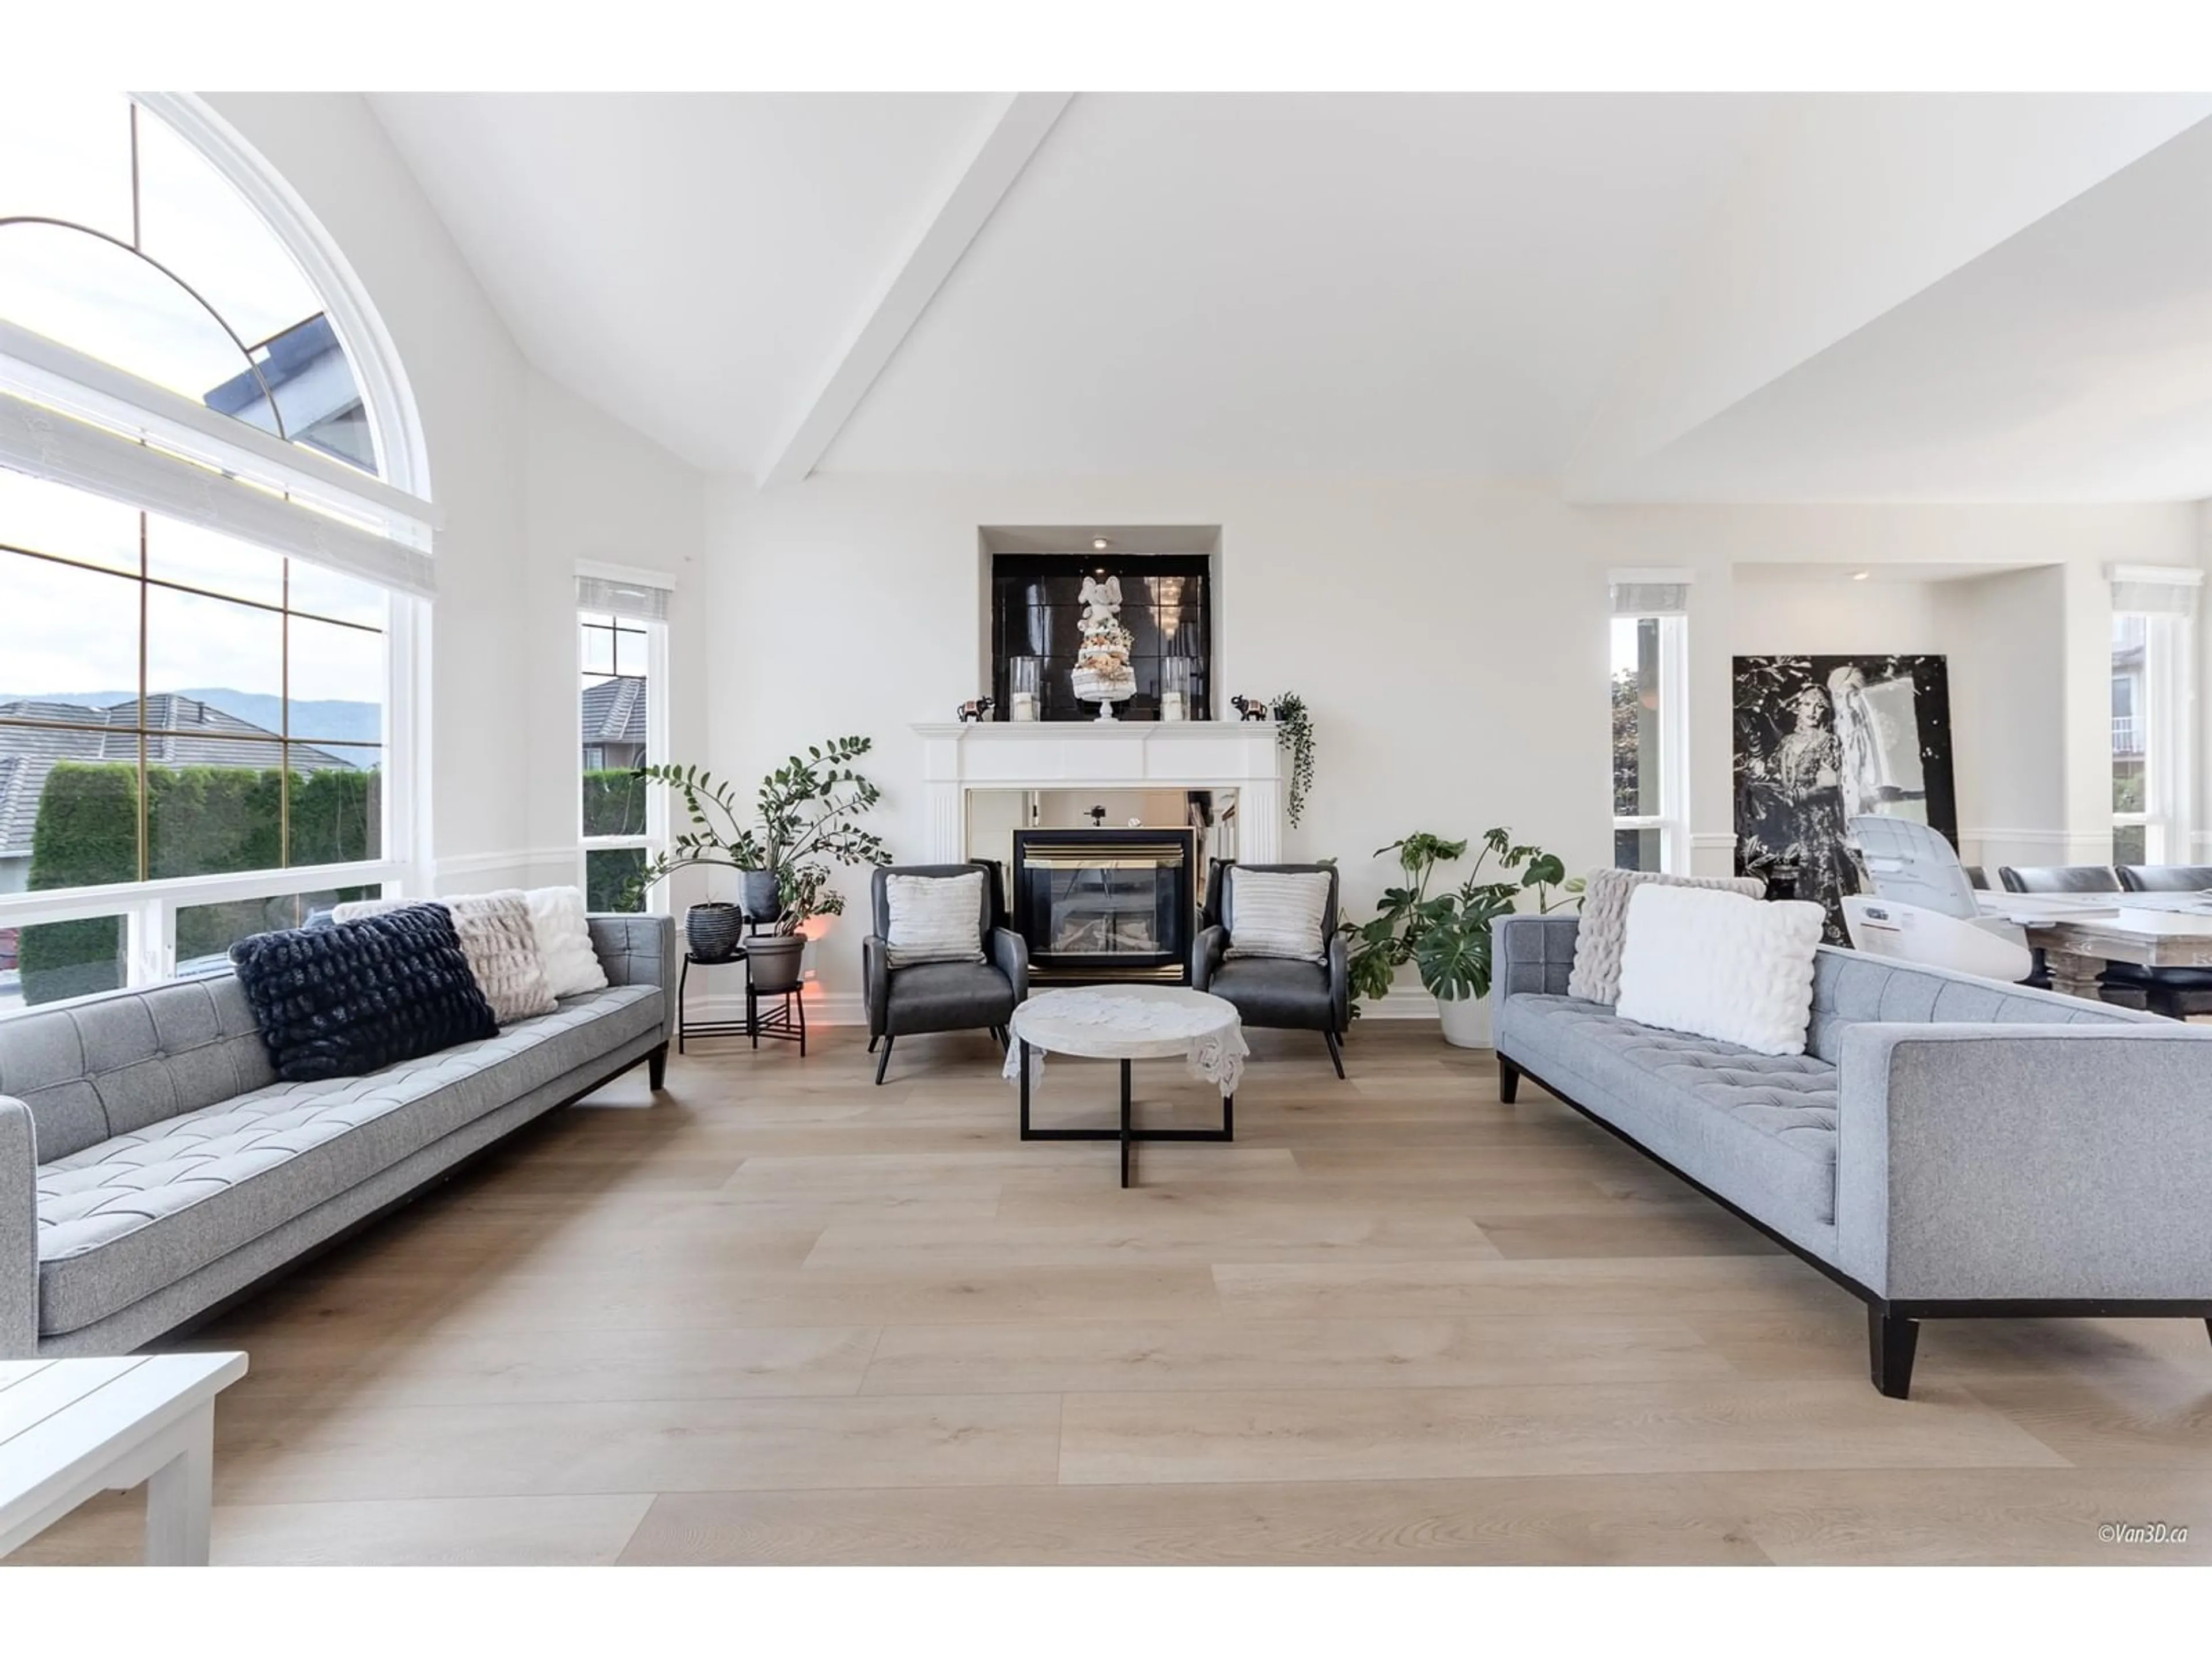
(1946, 1147)
(1275, 993)
(942, 996)
(152, 1169)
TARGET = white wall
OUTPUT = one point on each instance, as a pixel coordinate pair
(1824, 612)
(528, 479)
(596, 491)
(1450, 638)
(1713, 540)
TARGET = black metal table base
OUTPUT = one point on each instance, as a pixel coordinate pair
(1128, 1134)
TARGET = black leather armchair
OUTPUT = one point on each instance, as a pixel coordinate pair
(1275, 992)
(943, 996)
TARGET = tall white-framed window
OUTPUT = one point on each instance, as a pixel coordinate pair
(622, 665)
(2153, 712)
(213, 555)
(1648, 684)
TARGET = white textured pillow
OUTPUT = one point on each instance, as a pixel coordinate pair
(1275, 913)
(933, 917)
(498, 940)
(1604, 923)
(564, 941)
(1721, 965)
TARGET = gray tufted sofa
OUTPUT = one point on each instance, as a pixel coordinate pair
(152, 1168)
(1946, 1147)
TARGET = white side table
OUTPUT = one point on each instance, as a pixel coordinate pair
(69, 1428)
(1126, 1023)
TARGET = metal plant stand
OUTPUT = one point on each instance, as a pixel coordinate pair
(784, 1020)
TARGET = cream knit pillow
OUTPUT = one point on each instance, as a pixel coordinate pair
(497, 938)
(1598, 940)
(1277, 913)
(933, 919)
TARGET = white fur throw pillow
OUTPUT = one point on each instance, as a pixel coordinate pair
(934, 919)
(1604, 923)
(564, 941)
(499, 942)
(1721, 965)
(1276, 913)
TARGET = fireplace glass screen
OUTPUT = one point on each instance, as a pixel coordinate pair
(1098, 906)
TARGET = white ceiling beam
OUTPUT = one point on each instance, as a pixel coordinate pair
(1008, 139)
(1848, 207)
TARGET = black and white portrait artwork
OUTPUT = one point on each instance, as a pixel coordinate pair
(1821, 740)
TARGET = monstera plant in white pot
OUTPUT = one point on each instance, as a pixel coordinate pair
(1446, 937)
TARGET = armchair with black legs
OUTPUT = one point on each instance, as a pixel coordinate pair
(979, 991)
(1282, 993)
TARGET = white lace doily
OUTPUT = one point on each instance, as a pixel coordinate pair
(1132, 1021)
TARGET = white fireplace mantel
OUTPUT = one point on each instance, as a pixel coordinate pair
(1243, 755)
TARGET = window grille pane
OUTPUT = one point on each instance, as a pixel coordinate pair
(1636, 718)
(213, 669)
(205, 933)
(335, 807)
(38, 517)
(53, 961)
(1635, 850)
(66, 156)
(610, 878)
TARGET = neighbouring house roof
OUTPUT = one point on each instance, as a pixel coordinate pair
(614, 710)
(179, 732)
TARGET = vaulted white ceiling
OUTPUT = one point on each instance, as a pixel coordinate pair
(1693, 297)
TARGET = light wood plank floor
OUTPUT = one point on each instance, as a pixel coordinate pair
(782, 1315)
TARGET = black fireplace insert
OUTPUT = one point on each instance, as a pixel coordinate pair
(1100, 906)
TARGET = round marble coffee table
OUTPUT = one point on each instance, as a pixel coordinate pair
(1126, 1023)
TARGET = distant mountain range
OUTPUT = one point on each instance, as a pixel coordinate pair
(334, 721)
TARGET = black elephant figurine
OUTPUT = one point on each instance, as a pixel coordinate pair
(1250, 708)
(979, 708)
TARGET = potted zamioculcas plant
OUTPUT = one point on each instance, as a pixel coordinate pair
(806, 811)
(1446, 937)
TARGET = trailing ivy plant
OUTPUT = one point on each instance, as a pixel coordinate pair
(1448, 936)
(1294, 735)
(805, 810)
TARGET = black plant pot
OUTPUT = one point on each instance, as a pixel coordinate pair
(756, 894)
(714, 930)
(776, 962)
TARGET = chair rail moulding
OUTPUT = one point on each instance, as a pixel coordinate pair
(1122, 755)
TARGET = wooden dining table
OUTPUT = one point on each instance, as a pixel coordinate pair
(2080, 932)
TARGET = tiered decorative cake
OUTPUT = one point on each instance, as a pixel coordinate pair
(1102, 673)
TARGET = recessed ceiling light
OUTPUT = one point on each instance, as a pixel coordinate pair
(1861, 576)
(1099, 544)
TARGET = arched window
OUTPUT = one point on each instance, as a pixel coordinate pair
(208, 577)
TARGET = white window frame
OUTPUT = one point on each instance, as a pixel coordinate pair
(148, 909)
(90, 426)
(1672, 819)
(2165, 710)
(2164, 715)
(654, 840)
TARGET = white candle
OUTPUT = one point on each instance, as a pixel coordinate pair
(1024, 705)
(1172, 705)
